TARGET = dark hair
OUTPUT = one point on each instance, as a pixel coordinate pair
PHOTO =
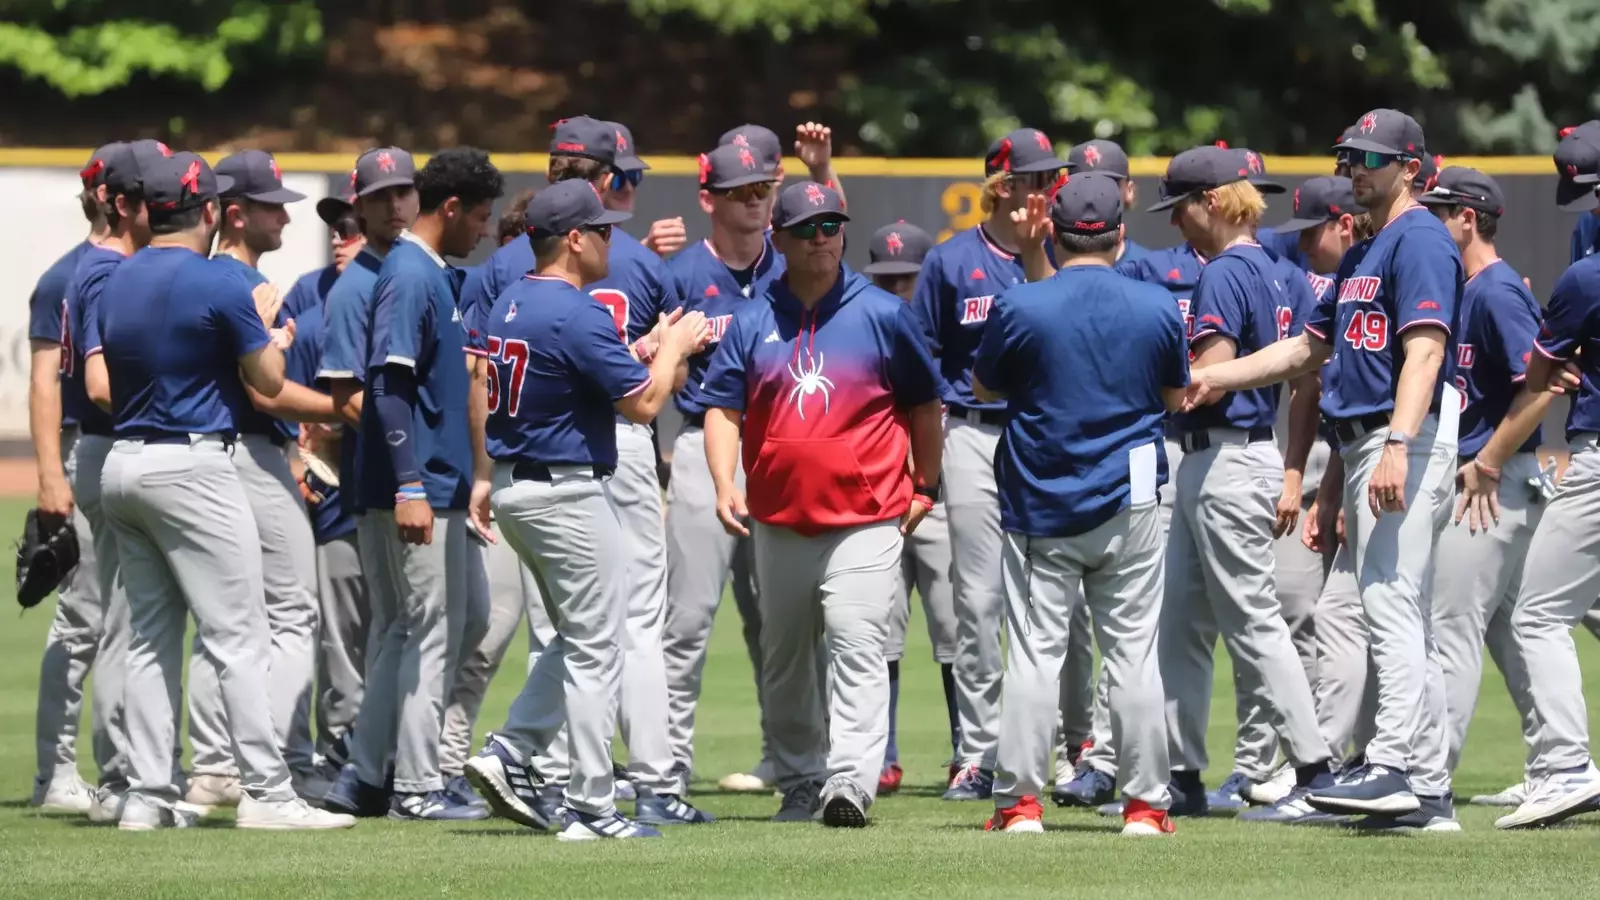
(1085, 244)
(114, 218)
(91, 205)
(511, 220)
(173, 222)
(566, 168)
(544, 247)
(462, 172)
(1488, 225)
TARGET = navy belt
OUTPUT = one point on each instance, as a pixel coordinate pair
(532, 471)
(696, 420)
(1347, 430)
(227, 439)
(977, 416)
(1200, 439)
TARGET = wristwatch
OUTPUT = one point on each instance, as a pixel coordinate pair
(929, 491)
(1397, 437)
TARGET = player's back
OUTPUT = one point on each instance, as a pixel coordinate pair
(172, 331)
(348, 318)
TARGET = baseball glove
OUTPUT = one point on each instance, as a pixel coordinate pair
(46, 555)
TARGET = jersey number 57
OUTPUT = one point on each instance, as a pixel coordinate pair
(513, 355)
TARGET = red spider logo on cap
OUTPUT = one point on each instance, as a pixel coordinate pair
(1044, 142)
(1369, 123)
(1297, 201)
(96, 166)
(622, 141)
(165, 150)
(191, 177)
(1091, 155)
(739, 140)
(1566, 131)
(815, 195)
(1253, 161)
(352, 181)
(705, 170)
(746, 158)
(894, 243)
(276, 172)
(386, 161)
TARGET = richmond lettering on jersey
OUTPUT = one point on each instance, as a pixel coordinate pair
(975, 310)
(1360, 289)
(719, 325)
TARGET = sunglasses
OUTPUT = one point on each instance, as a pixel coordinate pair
(808, 230)
(601, 231)
(348, 229)
(1035, 181)
(744, 193)
(620, 178)
(1367, 159)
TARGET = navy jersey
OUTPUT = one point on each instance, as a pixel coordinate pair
(330, 518)
(1406, 275)
(173, 326)
(556, 370)
(80, 338)
(1283, 245)
(1245, 296)
(1499, 323)
(701, 281)
(416, 324)
(1132, 251)
(1175, 268)
(255, 421)
(1586, 235)
(959, 281)
(1064, 466)
(1571, 327)
(44, 306)
(310, 289)
(347, 316)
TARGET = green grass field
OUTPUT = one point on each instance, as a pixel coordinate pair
(918, 846)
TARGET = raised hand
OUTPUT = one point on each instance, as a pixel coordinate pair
(813, 143)
(666, 237)
(268, 302)
(1033, 222)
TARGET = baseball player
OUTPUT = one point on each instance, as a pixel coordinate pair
(420, 463)
(1108, 158)
(813, 145)
(959, 281)
(344, 234)
(1577, 160)
(1395, 412)
(1560, 579)
(715, 277)
(665, 236)
(254, 213)
(1478, 574)
(896, 254)
(1219, 553)
(830, 493)
(1077, 486)
(172, 325)
(561, 376)
(54, 423)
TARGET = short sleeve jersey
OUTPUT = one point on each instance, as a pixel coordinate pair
(310, 289)
(1499, 323)
(256, 421)
(1571, 328)
(960, 279)
(702, 282)
(81, 338)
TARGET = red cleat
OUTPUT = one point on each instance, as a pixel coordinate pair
(1026, 817)
(889, 779)
(1140, 820)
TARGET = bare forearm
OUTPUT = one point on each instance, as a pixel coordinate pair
(263, 371)
(1331, 491)
(1305, 393)
(1521, 420)
(97, 381)
(722, 446)
(983, 393)
(295, 403)
(478, 418)
(824, 174)
(347, 400)
(1036, 264)
(927, 443)
(641, 408)
(681, 376)
(1418, 377)
(1281, 361)
(44, 418)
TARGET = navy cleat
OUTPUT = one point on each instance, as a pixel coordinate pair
(461, 789)
(510, 787)
(1090, 787)
(801, 803)
(581, 826)
(1188, 802)
(1227, 795)
(971, 783)
(668, 809)
(1372, 789)
(434, 806)
(1433, 814)
(355, 797)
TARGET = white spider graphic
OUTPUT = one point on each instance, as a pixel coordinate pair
(808, 382)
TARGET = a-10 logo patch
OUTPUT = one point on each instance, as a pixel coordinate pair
(975, 310)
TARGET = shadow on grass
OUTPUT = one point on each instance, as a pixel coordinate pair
(13, 804)
(1103, 827)
(501, 832)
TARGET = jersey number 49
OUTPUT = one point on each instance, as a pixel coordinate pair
(1369, 330)
(513, 356)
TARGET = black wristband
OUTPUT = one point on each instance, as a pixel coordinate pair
(926, 490)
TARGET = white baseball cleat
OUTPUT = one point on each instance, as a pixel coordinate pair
(288, 815)
(141, 813)
(1511, 797)
(65, 793)
(1559, 796)
(106, 805)
(1266, 793)
(213, 790)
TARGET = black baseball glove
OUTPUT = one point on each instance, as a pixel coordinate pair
(46, 555)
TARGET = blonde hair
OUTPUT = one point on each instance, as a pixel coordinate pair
(1361, 227)
(1240, 203)
(989, 199)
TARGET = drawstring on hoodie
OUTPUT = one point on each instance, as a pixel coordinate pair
(811, 344)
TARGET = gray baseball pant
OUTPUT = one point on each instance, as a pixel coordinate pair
(839, 586)
(188, 544)
(566, 532)
(699, 557)
(1116, 569)
(1560, 581)
(975, 574)
(87, 465)
(411, 655)
(289, 576)
(1343, 661)
(1475, 584)
(70, 649)
(925, 565)
(471, 618)
(1394, 555)
(342, 657)
(1221, 578)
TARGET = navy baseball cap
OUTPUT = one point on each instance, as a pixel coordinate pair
(566, 205)
(127, 164)
(1256, 172)
(627, 155)
(1577, 160)
(806, 200)
(1461, 186)
(897, 249)
(256, 176)
(93, 172)
(758, 139)
(1427, 172)
(731, 166)
(585, 137)
(1023, 150)
(1087, 204)
(183, 181)
(384, 167)
(1386, 131)
(1319, 200)
(1198, 169)
(1101, 157)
